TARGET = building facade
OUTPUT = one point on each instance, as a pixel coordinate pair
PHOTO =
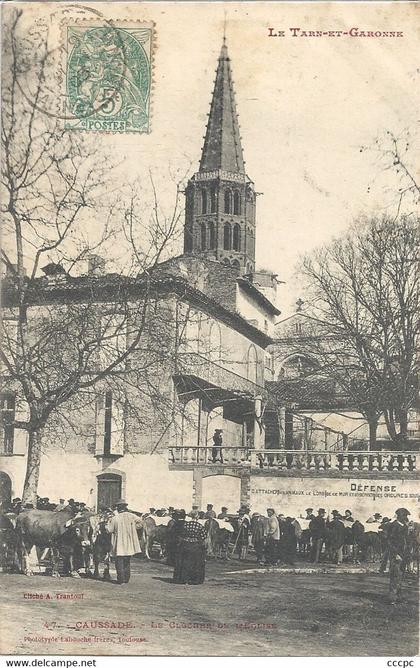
(204, 365)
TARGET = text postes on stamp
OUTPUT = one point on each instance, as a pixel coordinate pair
(108, 78)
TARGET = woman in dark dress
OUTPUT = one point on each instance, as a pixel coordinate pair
(175, 528)
(191, 554)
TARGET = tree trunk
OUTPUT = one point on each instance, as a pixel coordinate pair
(390, 424)
(30, 487)
(373, 426)
(402, 436)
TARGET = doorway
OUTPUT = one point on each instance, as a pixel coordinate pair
(109, 490)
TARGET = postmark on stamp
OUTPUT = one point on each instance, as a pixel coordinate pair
(108, 77)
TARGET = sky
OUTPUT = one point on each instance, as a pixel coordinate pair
(306, 106)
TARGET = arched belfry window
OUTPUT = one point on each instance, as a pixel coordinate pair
(215, 343)
(227, 237)
(237, 203)
(228, 201)
(203, 236)
(213, 200)
(204, 201)
(252, 364)
(212, 236)
(236, 237)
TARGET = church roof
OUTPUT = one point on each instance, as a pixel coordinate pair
(222, 145)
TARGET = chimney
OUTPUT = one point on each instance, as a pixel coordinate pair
(96, 265)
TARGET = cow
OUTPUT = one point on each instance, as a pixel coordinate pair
(304, 543)
(370, 546)
(219, 533)
(50, 529)
(151, 532)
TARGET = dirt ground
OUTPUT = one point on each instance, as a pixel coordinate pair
(232, 613)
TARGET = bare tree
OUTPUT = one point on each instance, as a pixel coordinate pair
(365, 289)
(67, 336)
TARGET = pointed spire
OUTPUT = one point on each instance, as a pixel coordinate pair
(222, 146)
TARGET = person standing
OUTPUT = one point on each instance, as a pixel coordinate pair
(191, 555)
(124, 539)
(383, 537)
(273, 537)
(242, 539)
(216, 450)
(210, 513)
(174, 531)
(398, 547)
(336, 535)
(309, 514)
(259, 525)
(288, 541)
(223, 515)
(317, 529)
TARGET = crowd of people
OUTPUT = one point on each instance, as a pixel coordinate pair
(188, 540)
(16, 505)
(275, 538)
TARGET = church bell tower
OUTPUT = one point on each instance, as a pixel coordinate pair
(220, 198)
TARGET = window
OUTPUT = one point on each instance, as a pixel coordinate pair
(203, 236)
(109, 426)
(298, 327)
(237, 203)
(228, 201)
(204, 201)
(235, 263)
(227, 237)
(236, 237)
(6, 426)
(213, 200)
(215, 340)
(252, 365)
(212, 236)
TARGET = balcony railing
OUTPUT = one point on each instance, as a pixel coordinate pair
(296, 460)
(229, 456)
(315, 460)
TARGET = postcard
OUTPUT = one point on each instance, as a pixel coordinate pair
(210, 435)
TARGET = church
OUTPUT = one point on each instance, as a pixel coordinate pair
(213, 389)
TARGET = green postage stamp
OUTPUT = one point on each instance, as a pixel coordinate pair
(109, 77)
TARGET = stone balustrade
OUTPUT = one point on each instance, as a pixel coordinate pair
(230, 455)
(319, 461)
(316, 461)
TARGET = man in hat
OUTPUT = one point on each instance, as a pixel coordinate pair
(374, 519)
(124, 539)
(383, 537)
(210, 513)
(216, 450)
(398, 549)
(243, 527)
(60, 505)
(223, 515)
(317, 528)
(336, 535)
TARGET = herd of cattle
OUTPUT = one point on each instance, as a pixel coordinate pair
(79, 540)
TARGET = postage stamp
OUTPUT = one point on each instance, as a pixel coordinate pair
(108, 77)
